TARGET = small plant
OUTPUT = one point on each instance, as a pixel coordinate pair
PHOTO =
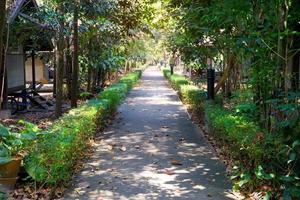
(131, 79)
(114, 94)
(192, 95)
(12, 144)
(177, 81)
(167, 73)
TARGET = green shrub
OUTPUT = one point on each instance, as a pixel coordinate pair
(114, 94)
(59, 147)
(177, 81)
(241, 133)
(167, 73)
(192, 95)
(131, 79)
(139, 73)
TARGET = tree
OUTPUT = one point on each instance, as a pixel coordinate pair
(75, 64)
(59, 60)
(2, 53)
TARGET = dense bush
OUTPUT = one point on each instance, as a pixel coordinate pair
(241, 133)
(167, 73)
(261, 158)
(55, 153)
(192, 95)
(114, 94)
(131, 78)
(177, 81)
(58, 148)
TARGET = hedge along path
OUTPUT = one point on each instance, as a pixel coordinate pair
(58, 148)
(152, 151)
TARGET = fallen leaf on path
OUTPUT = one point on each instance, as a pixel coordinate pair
(175, 162)
(110, 147)
(111, 170)
(123, 148)
(169, 172)
(84, 185)
(77, 190)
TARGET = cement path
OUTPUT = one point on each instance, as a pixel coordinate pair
(152, 151)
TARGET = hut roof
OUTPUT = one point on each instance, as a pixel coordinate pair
(16, 8)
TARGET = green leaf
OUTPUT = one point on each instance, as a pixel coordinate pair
(245, 178)
(287, 178)
(37, 172)
(296, 143)
(4, 160)
(29, 136)
(4, 152)
(261, 174)
(4, 132)
(286, 195)
(292, 157)
(294, 191)
(267, 196)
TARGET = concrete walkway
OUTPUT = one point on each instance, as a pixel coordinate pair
(152, 151)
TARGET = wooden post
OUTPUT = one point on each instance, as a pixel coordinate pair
(33, 70)
(210, 84)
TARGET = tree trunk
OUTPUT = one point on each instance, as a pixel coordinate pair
(60, 63)
(94, 78)
(281, 43)
(2, 28)
(69, 67)
(75, 69)
(89, 79)
(226, 73)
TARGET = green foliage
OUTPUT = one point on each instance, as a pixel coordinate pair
(167, 73)
(263, 158)
(58, 148)
(114, 94)
(54, 155)
(12, 143)
(241, 133)
(192, 95)
(244, 104)
(261, 124)
(131, 79)
(178, 80)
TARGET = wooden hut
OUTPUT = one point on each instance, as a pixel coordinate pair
(24, 64)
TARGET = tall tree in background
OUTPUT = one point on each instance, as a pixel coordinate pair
(2, 28)
(75, 64)
(59, 60)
